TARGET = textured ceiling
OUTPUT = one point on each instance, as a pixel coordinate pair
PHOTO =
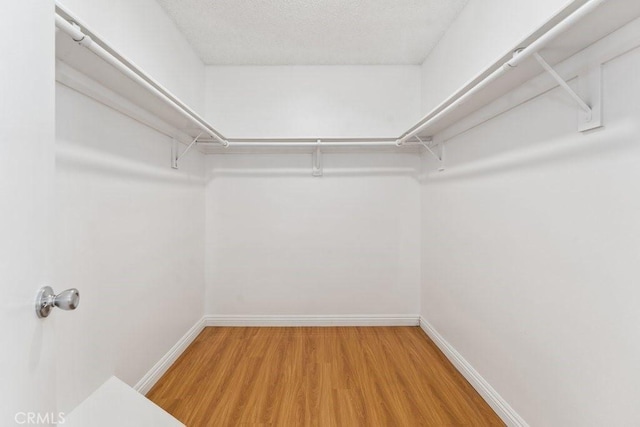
(299, 32)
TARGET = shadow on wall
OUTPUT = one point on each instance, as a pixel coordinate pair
(525, 140)
(559, 150)
(300, 165)
(74, 158)
(93, 139)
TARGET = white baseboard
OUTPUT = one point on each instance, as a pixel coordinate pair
(499, 405)
(322, 320)
(150, 378)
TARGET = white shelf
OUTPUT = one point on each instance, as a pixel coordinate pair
(119, 83)
(607, 18)
(125, 87)
(308, 145)
(114, 403)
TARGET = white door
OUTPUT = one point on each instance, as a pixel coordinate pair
(27, 347)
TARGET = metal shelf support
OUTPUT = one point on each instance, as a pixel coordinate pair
(591, 115)
(439, 155)
(175, 157)
(317, 161)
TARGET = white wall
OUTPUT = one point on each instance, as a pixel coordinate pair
(484, 31)
(312, 101)
(530, 255)
(281, 242)
(27, 369)
(142, 32)
(130, 237)
(130, 230)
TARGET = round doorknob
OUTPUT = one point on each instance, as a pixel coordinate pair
(67, 300)
(46, 300)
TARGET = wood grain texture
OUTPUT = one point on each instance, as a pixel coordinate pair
(353, 376)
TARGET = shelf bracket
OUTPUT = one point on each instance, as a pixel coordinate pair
(438, 154)
(317, 161)
(175, 156)
(590, 83)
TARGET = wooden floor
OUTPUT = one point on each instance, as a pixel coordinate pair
(318, 377)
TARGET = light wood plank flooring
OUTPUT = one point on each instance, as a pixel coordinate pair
(318, 377)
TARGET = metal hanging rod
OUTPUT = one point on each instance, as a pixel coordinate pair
(81, 35)
(99, 48)
(307, 144)
(520, 55)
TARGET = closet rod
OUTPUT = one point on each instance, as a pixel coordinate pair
(520, 55)
(311, 144)
(85, 40)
